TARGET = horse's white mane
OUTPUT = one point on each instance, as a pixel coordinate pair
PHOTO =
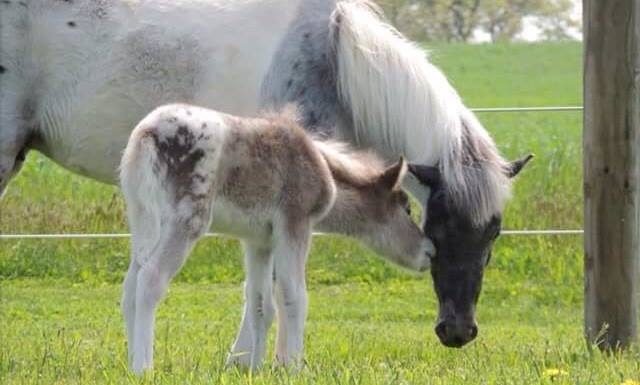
(399, 100)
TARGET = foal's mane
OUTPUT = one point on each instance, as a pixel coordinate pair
(401, 102)
(353, 167)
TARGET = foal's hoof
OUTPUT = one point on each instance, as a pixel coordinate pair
(140, 370)
(289, 364)
(240, 360)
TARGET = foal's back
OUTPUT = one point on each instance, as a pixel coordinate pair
(242, 172)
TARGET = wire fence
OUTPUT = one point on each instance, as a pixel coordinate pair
(127, 235)
(528, 109)
(545, 232)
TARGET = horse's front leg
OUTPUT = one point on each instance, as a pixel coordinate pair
(250, 345)
(16, 130)
(290, 254)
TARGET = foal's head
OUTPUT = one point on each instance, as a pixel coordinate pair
(463, 249)
(388, 226)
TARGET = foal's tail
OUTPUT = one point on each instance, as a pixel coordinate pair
(142, 189)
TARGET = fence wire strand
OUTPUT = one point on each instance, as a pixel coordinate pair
(528, 109)
(209, 235)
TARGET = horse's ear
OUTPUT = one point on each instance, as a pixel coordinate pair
(392, 177)
(427, 175)
(516, 166)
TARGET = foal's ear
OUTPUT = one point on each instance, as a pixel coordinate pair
(392, 177)
(427, 175)
(516, 166)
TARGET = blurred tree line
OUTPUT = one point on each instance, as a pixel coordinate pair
(458, 20)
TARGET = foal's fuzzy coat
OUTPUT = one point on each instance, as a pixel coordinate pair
(187, 169)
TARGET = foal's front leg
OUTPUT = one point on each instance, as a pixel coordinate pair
(250, 345)
(290, 255)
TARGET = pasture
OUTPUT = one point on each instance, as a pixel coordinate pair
(369, 322)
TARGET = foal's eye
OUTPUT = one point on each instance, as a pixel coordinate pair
(407, 208)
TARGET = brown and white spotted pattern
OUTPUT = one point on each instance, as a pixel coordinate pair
(188, 169)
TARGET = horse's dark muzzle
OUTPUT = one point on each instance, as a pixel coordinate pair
(456, 334)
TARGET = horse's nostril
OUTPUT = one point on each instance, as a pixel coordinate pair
(441, 330)
(22, 155)
(473, 332)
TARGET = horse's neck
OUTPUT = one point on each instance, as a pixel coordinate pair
(400, 104)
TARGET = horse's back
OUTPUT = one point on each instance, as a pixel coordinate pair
(90, 70)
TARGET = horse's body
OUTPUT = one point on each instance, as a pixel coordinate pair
(82, 74)
(187, 169)
(76, 77)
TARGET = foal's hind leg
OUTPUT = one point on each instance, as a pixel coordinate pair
(128, 304)
(290, 255)
(151, 284)
(250, 345)
(145, 230)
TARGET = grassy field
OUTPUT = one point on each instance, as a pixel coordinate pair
(369, 322)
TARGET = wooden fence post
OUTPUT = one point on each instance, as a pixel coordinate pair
(611, 171)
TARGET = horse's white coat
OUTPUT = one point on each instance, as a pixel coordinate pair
(78, 76)
(85, 87)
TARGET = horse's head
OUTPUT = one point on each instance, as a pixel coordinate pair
(463, 249)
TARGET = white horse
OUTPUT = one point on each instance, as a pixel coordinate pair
(187, 169)
(76, 76)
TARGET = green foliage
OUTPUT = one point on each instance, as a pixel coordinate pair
(457, 20)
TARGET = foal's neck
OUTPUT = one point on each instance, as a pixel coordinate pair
(350, 213)
(354, 174)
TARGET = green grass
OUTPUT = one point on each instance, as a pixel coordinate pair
(357, 334)
(369, 322)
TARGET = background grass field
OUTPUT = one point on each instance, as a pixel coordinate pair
(369, 322)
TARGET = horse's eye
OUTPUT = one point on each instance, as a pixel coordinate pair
(407, 208)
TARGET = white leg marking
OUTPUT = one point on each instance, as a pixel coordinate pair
(290, 254)
(250, 345)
